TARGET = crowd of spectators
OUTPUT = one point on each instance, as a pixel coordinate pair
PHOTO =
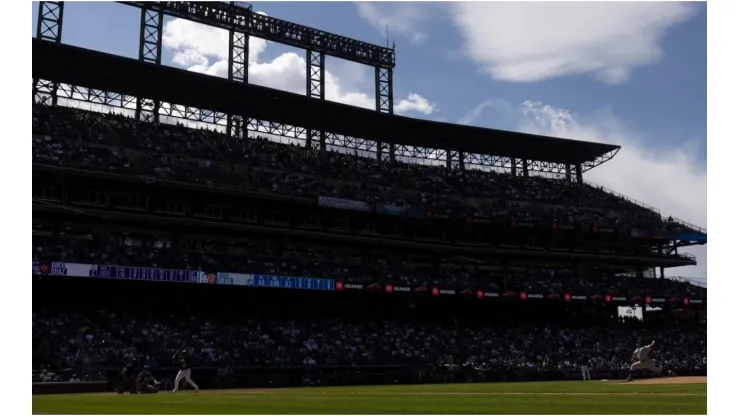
(112, 338)
(47, 375)
(340, 264)
(115, 143)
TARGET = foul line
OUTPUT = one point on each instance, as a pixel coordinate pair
(396, 393)
(520, 393)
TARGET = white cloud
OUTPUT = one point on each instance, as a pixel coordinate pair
(414, 102)
(528, 42)
(204, 49)
(674, 180)
(191, 40)
(501, 109)
(405, 19)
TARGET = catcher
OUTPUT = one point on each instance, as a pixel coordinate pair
(126, 378)
(146, 383)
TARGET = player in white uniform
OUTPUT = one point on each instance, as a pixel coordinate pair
(182, 361)
(643, 361)
(585, 369)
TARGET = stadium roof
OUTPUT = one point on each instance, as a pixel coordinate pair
(97, 70)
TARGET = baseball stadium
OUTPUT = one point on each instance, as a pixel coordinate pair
(205, 245)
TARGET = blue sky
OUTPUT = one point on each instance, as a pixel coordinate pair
(633, 74)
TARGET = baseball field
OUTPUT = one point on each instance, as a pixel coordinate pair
(656, 396)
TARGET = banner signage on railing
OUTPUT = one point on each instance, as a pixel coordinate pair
(669, 235)
(278, 282)
(348, 204)
(404, 211)
(310, 283)
(655, 235)
(120, 272)
(693, 237)
(152, 274)
(608, 298)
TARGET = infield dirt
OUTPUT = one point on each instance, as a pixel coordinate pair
(672, 380)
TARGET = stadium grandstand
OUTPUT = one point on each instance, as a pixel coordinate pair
(290, 240)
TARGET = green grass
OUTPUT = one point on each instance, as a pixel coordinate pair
(508, 398)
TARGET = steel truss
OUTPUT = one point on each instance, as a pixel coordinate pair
(48, 28)
(197, 115)
(546, 167)
(150, 50)
(49, 23)
(236, 126)
(243, 127)
(315, 74)
(514, 166)
(150, 39)
(488, 161)
(45, 92)
(276, 129)
(588, 165)
(350, 143)
(384, 90)
(239, 72)
(241, 22)
(316, 88)
(384, 104)
(97, 97)
(420, 155)
(453, 159)
(240, 17)
(238, 56)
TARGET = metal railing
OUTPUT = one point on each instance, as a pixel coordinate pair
(687, 256)
(691, 280)
(615, 193)
(685, 224)
(647, 206)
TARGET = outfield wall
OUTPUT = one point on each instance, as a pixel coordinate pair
(68, 387)
(209, 378)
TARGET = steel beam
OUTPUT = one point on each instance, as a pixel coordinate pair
(150, 51)
(241, 18)
(384, 99)
(48, 28)
(316, 88)
(105, 101)
(49, 22)
(315, 74)
(239, 72)
(384, 90)
(238, 56)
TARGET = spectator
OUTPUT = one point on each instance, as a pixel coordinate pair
(114, 143)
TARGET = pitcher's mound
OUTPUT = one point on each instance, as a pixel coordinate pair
(671, 380)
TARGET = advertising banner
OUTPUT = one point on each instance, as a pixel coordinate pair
(348, 204)
(152, 274)
(119, 272)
